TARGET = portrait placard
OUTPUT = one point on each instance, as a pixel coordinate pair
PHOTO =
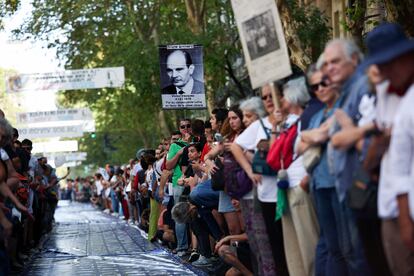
(182, 76)
(263, 41)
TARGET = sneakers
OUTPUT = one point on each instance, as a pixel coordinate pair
(202, 261)
(182, 253)
(114, 214)
(107, 211)
(194, 256)
(130, 221)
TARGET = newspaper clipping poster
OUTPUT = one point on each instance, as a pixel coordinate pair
(182, 77)
(263, 41)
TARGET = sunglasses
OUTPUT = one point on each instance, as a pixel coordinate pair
(315, 87)
(185, 126)
(264, 98)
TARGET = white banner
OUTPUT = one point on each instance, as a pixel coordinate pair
(55, 146)
(64, 158)
(84, 114)
(47, 132)
(263, 41)
(66, 80)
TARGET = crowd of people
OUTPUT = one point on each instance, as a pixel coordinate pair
(28, 198)
(310, 178)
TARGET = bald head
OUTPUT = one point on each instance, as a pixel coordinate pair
(180, 68)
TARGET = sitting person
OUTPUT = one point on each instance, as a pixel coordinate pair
(235, 250)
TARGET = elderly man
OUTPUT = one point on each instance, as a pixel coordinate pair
(393, 53)
(180, 69)
(341, 60)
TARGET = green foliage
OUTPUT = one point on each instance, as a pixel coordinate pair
(7, 7)
(89, 34)
(107, 33)
(311, 26)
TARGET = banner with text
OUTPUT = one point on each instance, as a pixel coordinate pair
(55, 146)
(48, 132)
(263, 41)
(83, 114)
(66, 80)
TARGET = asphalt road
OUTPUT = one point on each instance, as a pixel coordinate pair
(85, 241)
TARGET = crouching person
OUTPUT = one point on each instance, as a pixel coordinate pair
(186, 213)
(235, 250)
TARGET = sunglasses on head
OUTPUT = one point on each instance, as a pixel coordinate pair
(264, 98)
(185, 126)
(315, 87)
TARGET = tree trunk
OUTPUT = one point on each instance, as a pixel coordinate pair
(297, 52)
(401, 12)
(195, 14)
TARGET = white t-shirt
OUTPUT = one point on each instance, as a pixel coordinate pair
(4, 155)
(32, 166)
(137, 167)
(296, 171)
(386, 109)
(401, 153)
(148, 178)
(99, 187)
(248, 140)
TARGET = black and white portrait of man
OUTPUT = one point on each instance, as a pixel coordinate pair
(179, 68)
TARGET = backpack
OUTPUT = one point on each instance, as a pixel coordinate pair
(237, 182)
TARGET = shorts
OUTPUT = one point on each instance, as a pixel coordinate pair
(225, 205)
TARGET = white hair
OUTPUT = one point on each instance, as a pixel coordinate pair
(348, 46)
(253, 104)
(7, 131)
(296, 92)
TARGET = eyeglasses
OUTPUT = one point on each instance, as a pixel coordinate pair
(315, 87)
(185, 126)
(264, 98)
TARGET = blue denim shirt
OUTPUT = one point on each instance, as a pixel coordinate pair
(321, 176)
(343, 163)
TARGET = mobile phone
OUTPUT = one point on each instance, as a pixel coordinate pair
(218, 137)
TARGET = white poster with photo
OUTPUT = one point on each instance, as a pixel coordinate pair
(66, 80)
(263, 41)
(182, 76)
(83, 114)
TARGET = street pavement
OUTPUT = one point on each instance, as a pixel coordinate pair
(86, 241)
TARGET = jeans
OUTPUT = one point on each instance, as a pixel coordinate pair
(180, 228)
(200, 230)
(211, 222)
(4, 262)
(204, 196)
(341, 237)
(115, 202)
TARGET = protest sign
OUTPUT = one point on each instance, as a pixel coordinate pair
(263, 41)
(66, 80)
(182, 77)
